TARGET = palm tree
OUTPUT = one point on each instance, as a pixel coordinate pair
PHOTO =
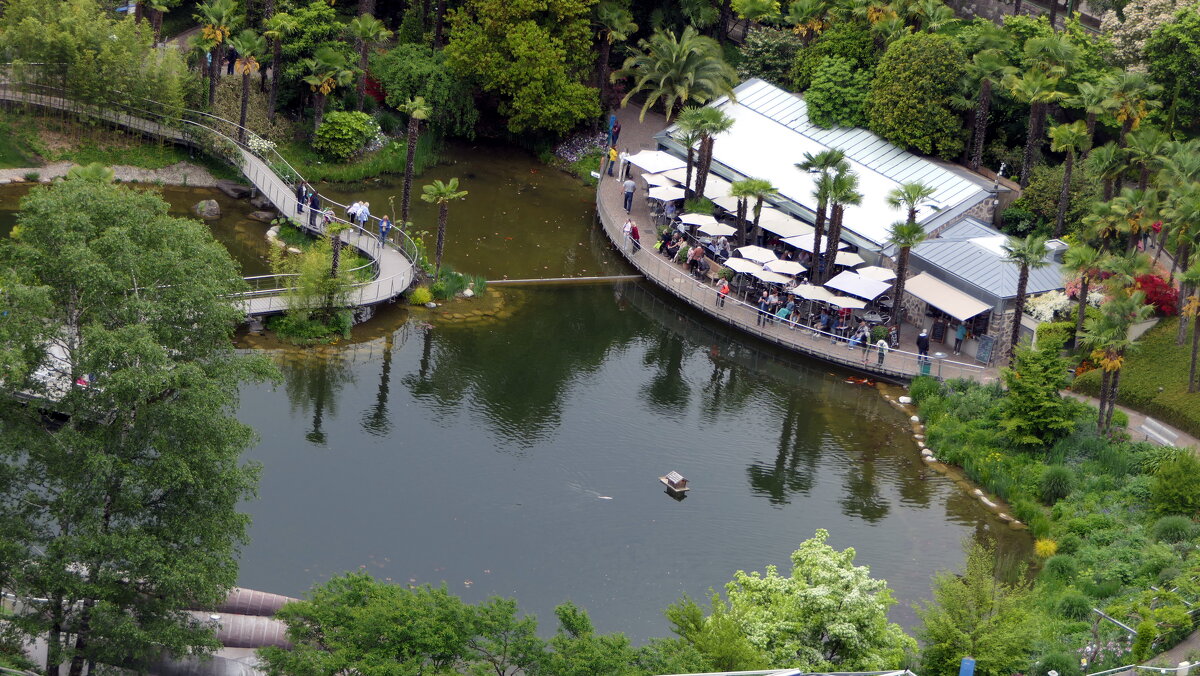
(677, 71)
(334, 229)
(366, 31)
(275, 28)
(709, 122)
(808, 18)
(1036, 89)
(417, 110)
(1191, 310)
(1084, 261)
(157, 9)
(327, 70)
(759, 189)
(1133, 96)
(613, 23)
(1028, 254)
(442, 194)
(826, 163)
(218, 19)
(249, 46)
(1108, 338)
(689, 137)
(1183, 227)
(904, 235)
(987, 68)
(1109, 162)
(1094, 101)
(1146, 148)
(743, 190)
(1069, 139)
(843, 192)
(910, 196)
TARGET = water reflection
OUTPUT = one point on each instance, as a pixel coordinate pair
(795, 463)
(313, 380)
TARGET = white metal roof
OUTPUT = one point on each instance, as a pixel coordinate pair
(771, 133)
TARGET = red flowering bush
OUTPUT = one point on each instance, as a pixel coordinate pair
(1163, 296)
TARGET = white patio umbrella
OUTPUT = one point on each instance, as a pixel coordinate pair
(697, 219)
(805, 242)
(877, 273)
(742, 265)
(727, 202)
(656, 161)
(847, 301)
(848, 258)
(666, 194)
(756, 253)
(812, 292)
(772, 277)
(659, 180)
(857, 285)
(717, 230)
(785, 267)
(715, 186)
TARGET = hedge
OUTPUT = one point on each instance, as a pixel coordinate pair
(1155, 362)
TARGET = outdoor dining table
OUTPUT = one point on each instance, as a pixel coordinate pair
(873, 317)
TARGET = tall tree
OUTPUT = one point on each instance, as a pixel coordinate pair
(974, 613)
(759, 189)
(843, 192)
(1094, 100)
(442, 194)
(1036, 89)
(249, 46)
(123, 512)
(913, 97)
(613, 23)
(276, 28)
(904, 236)
(677, 70)
(218, 19)
(1027, 254)
(826, 164)
(910, 197)
(710, 122)
(1191, 310)
(743, 190)
(1084, 261)
(986, 69)
(1108, 162)
(367, 32)
(1146, 147)
(1134, 97)
(1069, 139)
(326, 71)
(1108, 338)
(417, 110)
(688, 135)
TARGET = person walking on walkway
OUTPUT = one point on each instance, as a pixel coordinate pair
(923, 345)
(882, 346)
(635, 237)
(627, 230)
(363, 214)
(960, 334)
(629, 187)
(722, 292)
(314, 207)
(612, 159)
(764, 309)
(623, 165)
(385, 226)
(301, 197)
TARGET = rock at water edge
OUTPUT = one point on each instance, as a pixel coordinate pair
(264, 216)
(209, 210)
(233, 188)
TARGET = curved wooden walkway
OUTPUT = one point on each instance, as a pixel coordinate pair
(393, 270)
(898, 365)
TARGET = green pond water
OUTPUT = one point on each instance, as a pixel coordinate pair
(518, 454)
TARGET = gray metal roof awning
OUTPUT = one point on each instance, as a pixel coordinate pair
(945, 297)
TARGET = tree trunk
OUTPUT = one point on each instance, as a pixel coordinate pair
(335, 241)
(1032, 141)
(139, 11)
(439, 20)
(366, 7)
(741, 221)
(318, 110)
(213, 69)
(443, 212)
(362, 73)
(818, 233)
(245, 103)
(54, 638)
(898, 291)
(835, 234)
(982, 110)
(1053, 14)
(1144, 177)
(1091, 134)
(702, 171)
(1109, 189)
(1022, 285)
(604, 54)
(1083, 294)
(156, 20)
(1115, 386)
(1105, 378)
(723, 20)
(1064, 194)
(687, 180)
(405, 200)
(82, 633)
(276, 66)
(757, 216)
(1195, 349)
(1017, 8)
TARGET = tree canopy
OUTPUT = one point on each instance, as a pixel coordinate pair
(912, 96)
(409, 71)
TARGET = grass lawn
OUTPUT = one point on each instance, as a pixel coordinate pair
(1154, 378)
(387, 160)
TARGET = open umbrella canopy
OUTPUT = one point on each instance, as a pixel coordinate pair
(656, 161)
(659, 180)
(849, 259)
(718, 230)
(666, 194)
(805, 242)
(847, 301)
(773, 220)
(772, 277)
(785, 267)
(877, 273)
(697, 219)
(857, 285)
(756, 253)
(742, 265)
(726, 202)
(813, 292)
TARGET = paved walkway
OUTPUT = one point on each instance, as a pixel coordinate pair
(899, 365)
(1136, 420)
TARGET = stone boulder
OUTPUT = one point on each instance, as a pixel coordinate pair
(260, 201)
(264, 216)
(233, 189)
(209, 210)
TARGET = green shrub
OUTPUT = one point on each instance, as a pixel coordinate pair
(1175, 486)
(1060, 568)
(1065, 664)
(1068, 543)
(32, 176)
(311, 329)
(922, 388)
(438, 289)
(344, 134)
(389, 123)
(1073, 605)
(1056, 332)
(1056, 483)
(699, 205)
(420, 296)
(768, 54)
(1173, 529)
(846, 40)
(838, 95)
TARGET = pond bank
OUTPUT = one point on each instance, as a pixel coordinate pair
(180, 173)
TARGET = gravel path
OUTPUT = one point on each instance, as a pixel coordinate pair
(180, 173)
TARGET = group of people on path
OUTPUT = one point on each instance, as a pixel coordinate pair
(632, 235)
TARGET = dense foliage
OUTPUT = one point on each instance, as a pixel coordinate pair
(409, 71)
(344, 134)
(911, 100)
(838, 95)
